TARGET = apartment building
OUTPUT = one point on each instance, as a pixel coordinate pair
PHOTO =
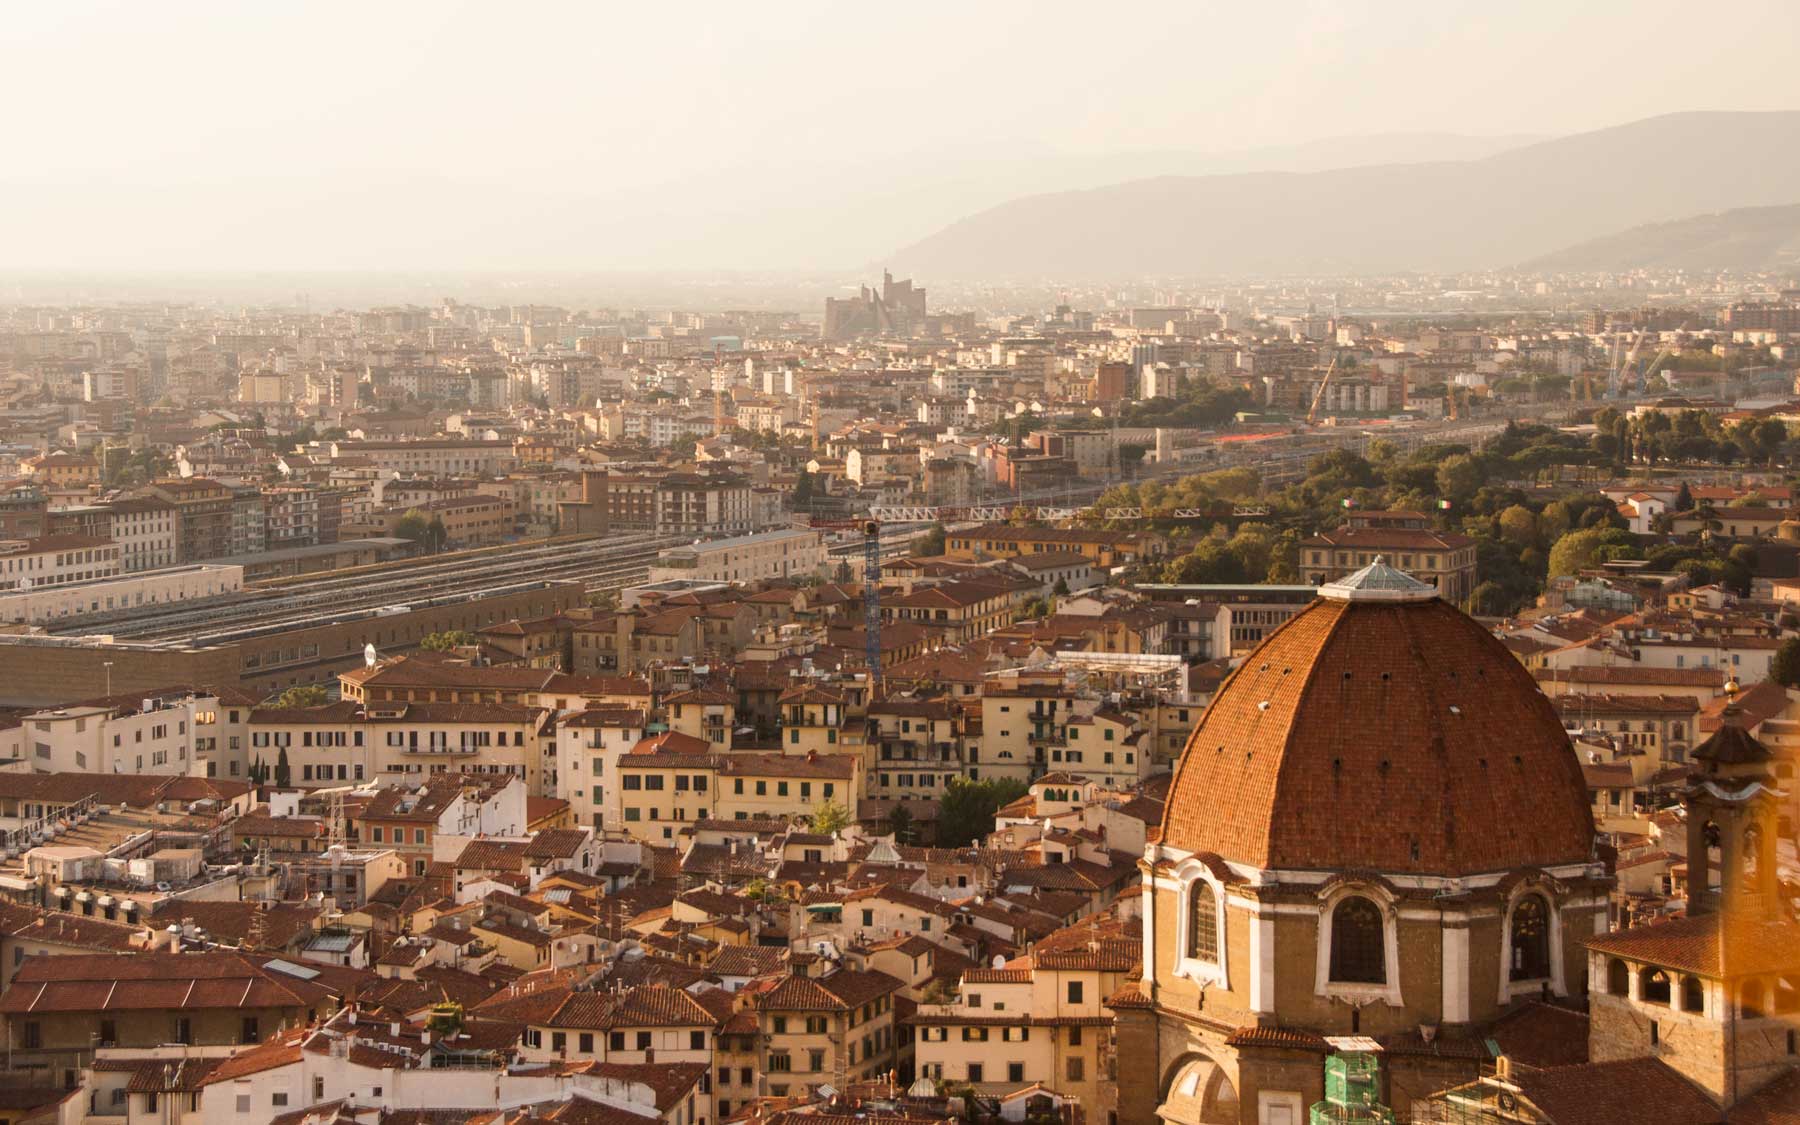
(1039, 1019)
(588, 747)
(173, 734)
(56, 560)
(146, 530)
(664, 790)
(346, 742)
(1031, 726)
(429, 458)
(832, 1030)
(203, 516)
(408, 817)
(1445, 559)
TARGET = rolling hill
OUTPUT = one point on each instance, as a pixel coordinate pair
(1747, 238)
(1516, 205)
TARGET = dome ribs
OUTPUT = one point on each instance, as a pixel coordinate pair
(1368, 753)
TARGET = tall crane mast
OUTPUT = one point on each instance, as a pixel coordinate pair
(1616, 385)
(1312, 415)
(871, 530)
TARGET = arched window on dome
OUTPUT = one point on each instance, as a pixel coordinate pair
(1203, 922)
(1531, 938)
(1618, 978)
(1358, 954)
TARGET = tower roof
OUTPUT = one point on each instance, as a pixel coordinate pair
(1381, 729)
(1732, 745)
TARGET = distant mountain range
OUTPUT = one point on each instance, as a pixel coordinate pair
(1525, 203)
(1747, 238)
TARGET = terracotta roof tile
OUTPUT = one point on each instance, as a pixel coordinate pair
(1409, 711)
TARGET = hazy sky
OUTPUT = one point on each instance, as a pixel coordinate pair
(375, 135)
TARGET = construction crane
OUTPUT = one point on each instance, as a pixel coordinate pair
(1615, 386)
(1644, 379)
(871, 529)
(1312, 415)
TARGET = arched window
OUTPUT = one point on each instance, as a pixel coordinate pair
(1653, 986)
(1358, 953)
(1203, 923)
(1531, 938)
(1693, 995)
(1618, 978)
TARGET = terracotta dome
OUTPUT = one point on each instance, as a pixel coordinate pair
(1381, 730)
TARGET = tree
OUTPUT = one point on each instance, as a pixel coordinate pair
(413, 525)
(447, 640)
(304, 695)
(1458, 478)
(966, 814)
(900, 823)
(1587, 547)
(1784, 669)
(1489, 600)
(1210, 562)
(930, 542)
(284, 773)
(1518, 526)
(436, 534)
(830, 818)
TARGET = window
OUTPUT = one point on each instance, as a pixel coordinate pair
(975, 1072)
(1693, 995)
(250, 1032)
(1015, 1072)
(1203, 923)
(780, 1063)
(34, 1035)
(696, 1040)
(1653, 985)
(278, 1098)
(1074, 992)
(1618, 978)
(1531, 938)
(586, 1043)
(616, 1041)
(1075, 1069)
(1357, 954)
(184, 1030)
(643, 1040)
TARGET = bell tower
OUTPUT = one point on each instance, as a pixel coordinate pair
(1732, 807)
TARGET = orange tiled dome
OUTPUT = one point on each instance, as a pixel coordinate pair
(1381, 730)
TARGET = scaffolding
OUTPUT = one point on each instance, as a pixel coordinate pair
(1352, 1084)
(1491, 1098)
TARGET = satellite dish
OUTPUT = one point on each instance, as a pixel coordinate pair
(368, 656)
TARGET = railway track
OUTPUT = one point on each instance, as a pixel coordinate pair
(599, 564)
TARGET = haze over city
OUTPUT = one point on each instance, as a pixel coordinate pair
(251, 139)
